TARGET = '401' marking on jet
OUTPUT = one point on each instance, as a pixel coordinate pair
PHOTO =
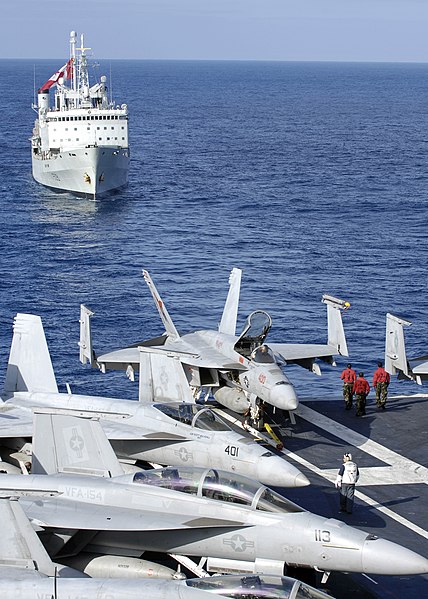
(164, 433)
(239, 369)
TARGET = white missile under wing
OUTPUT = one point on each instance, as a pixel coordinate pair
(396, 361)
(173, 433)
(182, 511)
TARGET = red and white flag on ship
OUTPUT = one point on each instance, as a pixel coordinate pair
(64, 72)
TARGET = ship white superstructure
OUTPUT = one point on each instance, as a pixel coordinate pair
(80, 144)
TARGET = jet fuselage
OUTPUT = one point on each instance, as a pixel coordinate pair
(170, 434)
(138, 516)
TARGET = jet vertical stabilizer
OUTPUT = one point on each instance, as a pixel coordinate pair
(230, 311)
(336, 333)
(170, 329)
(29, 367)
(85, 344)
(63, 443)
(20, 547)
(395, 349)
(162, 378)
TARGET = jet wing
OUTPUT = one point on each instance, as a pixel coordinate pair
(293, 352)
(52, 513)
(305, 354)
(130, 356)
(20, 548)
(419, 364)
(17, 422)
(127, 432)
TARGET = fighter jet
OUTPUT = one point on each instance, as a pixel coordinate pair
(167, 434)
(227, 518)
(396, 360)
(240, 369)
(27, 572)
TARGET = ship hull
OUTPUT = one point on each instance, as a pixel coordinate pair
(89, 172)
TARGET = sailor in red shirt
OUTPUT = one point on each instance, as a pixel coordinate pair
(381, 381)
(348, 377)
(361, 390)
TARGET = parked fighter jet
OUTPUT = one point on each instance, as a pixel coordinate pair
(27, 572)
(169, 434)
(182, 511)
(395, 353)
(241, 370)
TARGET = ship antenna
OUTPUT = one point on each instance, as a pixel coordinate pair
(111, 86)
(34, 84)
(73, 35)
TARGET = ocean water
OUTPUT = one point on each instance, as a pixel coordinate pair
(311, 177)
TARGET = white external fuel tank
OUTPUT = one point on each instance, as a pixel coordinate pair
(116, 566)
(232, 398)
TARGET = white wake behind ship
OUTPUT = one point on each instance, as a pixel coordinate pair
(80, 143)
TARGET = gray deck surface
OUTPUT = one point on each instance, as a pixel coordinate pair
(402, 428)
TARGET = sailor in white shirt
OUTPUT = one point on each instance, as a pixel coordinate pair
(345, 482)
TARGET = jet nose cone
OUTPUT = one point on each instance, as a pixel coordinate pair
(283, 396)
(383, 557)
(276, 472)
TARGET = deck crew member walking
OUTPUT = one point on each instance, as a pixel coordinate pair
(381, 381)
(348, 377)
(361, 390)
(345, 482)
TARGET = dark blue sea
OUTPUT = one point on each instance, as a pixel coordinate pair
(311, 177)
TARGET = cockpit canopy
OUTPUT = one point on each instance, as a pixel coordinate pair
(263, 355)
(218, 485)
(193, 415)
(257, 326)
(256, 586)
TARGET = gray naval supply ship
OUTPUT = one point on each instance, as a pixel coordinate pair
(80, 143)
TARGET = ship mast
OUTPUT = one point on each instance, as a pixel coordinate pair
(83, 75)
(73, 57)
